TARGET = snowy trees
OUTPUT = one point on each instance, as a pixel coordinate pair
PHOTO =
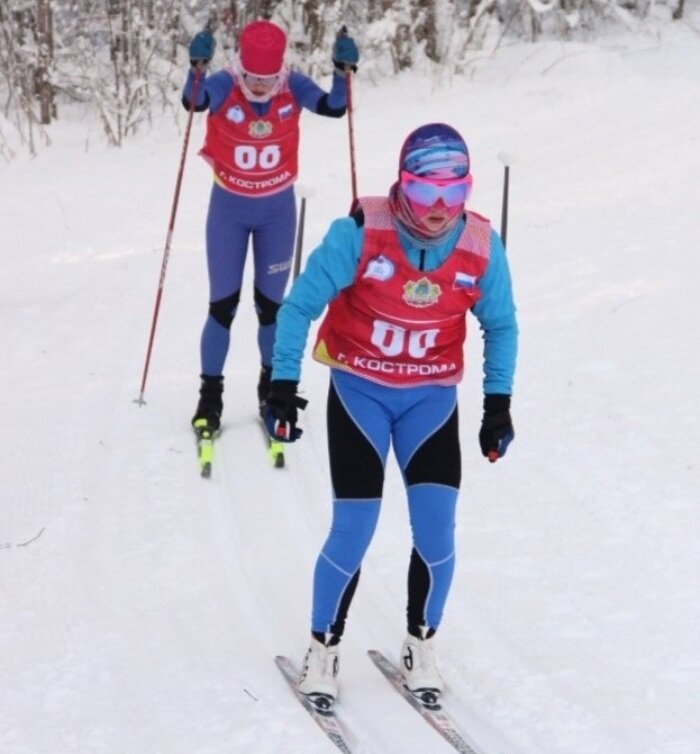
(25, 64)
(130, 66)
(118, 57)
(123, 59)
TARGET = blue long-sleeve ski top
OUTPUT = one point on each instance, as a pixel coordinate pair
(332, 266)
(214, 90)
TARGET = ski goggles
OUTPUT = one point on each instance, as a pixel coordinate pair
(253, 80)
(427, 191)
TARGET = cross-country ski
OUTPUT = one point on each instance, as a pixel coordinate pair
(431, 710)
(326, 719)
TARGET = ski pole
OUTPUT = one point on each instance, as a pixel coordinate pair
(351, 135)
(168, 238)
(300, 238)
(304, 193)
(507, 161)
(504, 204)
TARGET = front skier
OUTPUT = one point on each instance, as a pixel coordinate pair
(399, 277)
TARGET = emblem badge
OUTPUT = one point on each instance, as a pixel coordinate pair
(421, 293)
(235, 114)
(379, 268)
(260, 128)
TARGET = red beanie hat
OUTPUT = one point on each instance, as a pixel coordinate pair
(261, 48)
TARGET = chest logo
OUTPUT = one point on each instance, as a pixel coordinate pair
(259, 129)
(235, 114)
(421, 293)
(379, 268)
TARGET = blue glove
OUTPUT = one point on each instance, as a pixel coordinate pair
(202, 48)
(496, 432)
(280, 412)
(345, 52)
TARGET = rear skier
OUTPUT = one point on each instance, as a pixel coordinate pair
(399, 277)
(252, 144)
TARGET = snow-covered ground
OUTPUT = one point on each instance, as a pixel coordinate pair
(142, 605)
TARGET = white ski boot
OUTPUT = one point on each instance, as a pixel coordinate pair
(419, 668)
(319, 676)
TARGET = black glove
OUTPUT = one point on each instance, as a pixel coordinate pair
(496, 427)
(345, 52)
(202, 48)
(280, 412)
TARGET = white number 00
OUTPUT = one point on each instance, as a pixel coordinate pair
(391, 339)
(247, 157)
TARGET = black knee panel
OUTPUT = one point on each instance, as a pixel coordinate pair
(438, 460)
(224, 310)
(266, 308)
(356, 469)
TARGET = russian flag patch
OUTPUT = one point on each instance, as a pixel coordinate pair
(464, 280)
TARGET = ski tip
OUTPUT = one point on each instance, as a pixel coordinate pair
(304, 191)
(276, 454)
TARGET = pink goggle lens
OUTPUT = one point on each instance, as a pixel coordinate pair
(427, 191)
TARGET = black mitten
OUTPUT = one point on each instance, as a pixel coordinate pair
(280, 413)
(496, 427)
